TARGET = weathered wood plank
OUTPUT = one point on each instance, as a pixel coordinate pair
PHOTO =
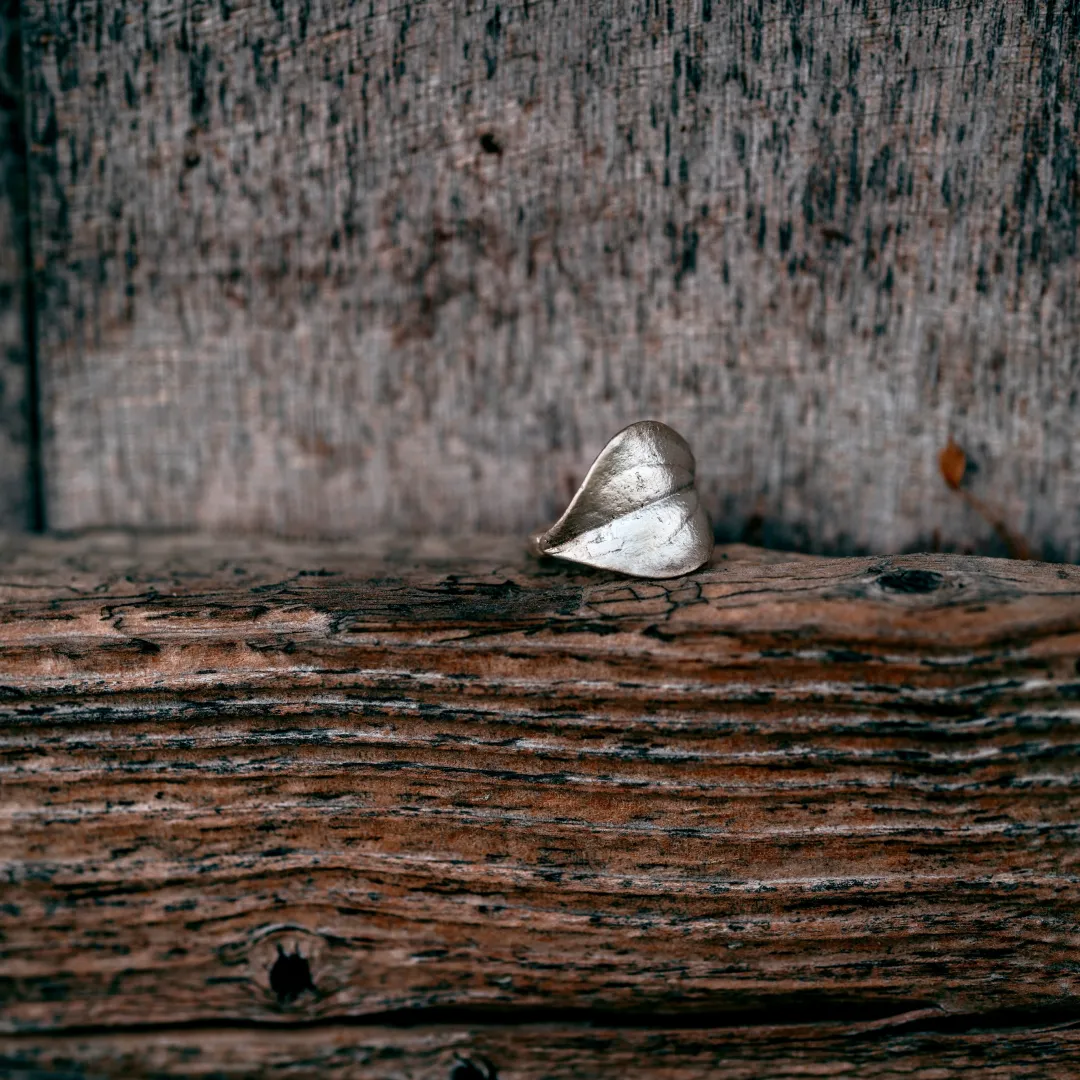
(830, 788)
(16, 495)
(553, 1051)
(313, 267)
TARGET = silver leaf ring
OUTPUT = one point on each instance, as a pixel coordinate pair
(637, 511)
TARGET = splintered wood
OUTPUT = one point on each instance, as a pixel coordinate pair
(280, 784)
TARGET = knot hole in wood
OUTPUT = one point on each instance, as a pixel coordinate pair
(290, 976)
(473, 1069)
(910, 581)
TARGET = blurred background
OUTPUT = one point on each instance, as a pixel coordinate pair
(317, 268)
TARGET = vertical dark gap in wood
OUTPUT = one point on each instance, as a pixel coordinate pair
(15, 493)
(21, 191)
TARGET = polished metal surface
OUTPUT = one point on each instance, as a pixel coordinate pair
(637, 511)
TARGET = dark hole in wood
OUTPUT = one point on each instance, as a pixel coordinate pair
(290, 976)
(489, 144)
(910, 581)
(464, 1069)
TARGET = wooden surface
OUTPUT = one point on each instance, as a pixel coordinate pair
(547, 1052)
(16, 499)
(313, 267)
(251, 785)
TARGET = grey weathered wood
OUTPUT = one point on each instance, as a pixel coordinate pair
(316, 267)
(16, 500)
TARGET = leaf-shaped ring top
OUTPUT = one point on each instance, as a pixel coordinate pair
(637, 511)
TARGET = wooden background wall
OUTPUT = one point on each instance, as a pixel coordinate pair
(317, 267)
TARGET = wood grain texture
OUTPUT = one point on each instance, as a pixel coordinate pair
(315, 268)
(547, 1052)
(16, 497)
(253, 783)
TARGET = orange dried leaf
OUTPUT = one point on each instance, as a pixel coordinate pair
(952, 461)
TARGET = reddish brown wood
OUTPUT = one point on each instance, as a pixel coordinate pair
(560, 1052)
(771, 791)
